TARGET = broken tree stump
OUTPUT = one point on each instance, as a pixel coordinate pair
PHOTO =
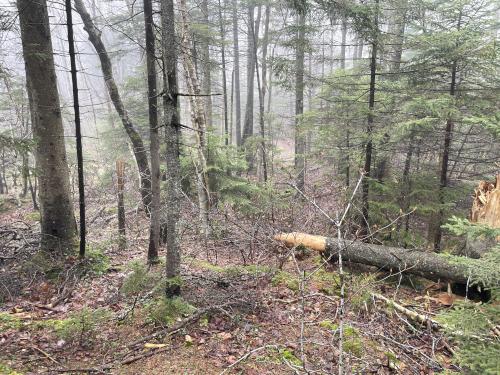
(485, 210)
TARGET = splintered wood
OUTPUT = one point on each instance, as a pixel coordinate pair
(486, 205)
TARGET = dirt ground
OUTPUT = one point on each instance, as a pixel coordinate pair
(274, 310)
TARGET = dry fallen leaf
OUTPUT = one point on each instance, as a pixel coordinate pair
(446, 299)
(224, 335)
(154, 346)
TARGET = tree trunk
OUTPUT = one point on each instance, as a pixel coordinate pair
(24, 174)
(33, 192)
(154, 147)
(172, 156)
(138, 147)
(443, 178)
(237, 90)
(120, 182)
(369, 130)
(57, 218)
(78, 133)
(206, 66)
(2, 189)
(199, 121)
(397, 28)
(343, 45)
(262, 89)
(392, 259)
(251, 37)
(300, 139)
(224, 79)
(404, 197)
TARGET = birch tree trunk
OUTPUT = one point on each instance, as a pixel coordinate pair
(199, 121)
(58, 226)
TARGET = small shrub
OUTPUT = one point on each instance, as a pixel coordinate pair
(360, 289)
(96, 262)
(138, 281)
(166, 311)
(81, 326)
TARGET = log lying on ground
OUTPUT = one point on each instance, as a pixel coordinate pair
(429, 265)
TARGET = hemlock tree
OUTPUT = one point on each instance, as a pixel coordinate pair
(455, 55)
(58, 225)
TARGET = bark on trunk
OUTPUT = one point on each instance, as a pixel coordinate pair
(224, 78)
(206, 68)
(120, 182)
(300, 140)
(154, 147)
(443, 179)
(262, 90)
(343, 44)
(369, 129)
(138, 148)
(248, 124)
(237, 93)
(429, 265)
(172, 156)
(58, 225)
(199, 121)
(78, 133)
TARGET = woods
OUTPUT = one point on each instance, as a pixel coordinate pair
(249, 187)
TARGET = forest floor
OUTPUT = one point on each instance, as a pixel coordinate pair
(272, 310)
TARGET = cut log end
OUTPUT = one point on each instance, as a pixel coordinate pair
(293, 239)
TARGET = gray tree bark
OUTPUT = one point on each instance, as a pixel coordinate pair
(206, 66)
(300, 137)
(154, 147)
(172, 156)
(199, 121)
(252, 36)
(58, 226)
(237, 90)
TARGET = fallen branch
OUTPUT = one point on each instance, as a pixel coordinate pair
(416, 317)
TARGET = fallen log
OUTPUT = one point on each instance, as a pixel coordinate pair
(425, 264)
